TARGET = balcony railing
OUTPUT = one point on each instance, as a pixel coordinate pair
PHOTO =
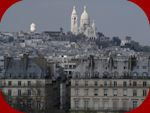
(110, 85)
(121, 109)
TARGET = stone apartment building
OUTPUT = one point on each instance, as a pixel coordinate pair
(28, 85)
(109, 85)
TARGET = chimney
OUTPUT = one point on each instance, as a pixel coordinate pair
(25, 60)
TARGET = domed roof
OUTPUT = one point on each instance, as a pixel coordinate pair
(84, 15)
(74, 11)
(32, 24)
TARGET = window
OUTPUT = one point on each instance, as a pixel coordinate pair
(124, 92)
(29, 83)
(144, 67)
(124, 105)
(134, 104)
(86, 83)
(105, 92)
(105, 83)
(134, 83)
(76, 83)
(38, 92)
(125, 67)
(124, 83)
(0, 83)
(76, 92)
(11, 75)
(115, 105)
(28, 104)
(95, 83)
(86, 92)
(105, 104)
(115, 92)
(137, 67)
(19, 92)
(19, 83)
(95, 92)
(29, 92)
(9, 92)
(9, 83)
(38, 104)
(144, 93)
(115, 83)
(38, 83)
(115, 67)
(95, 105)
(76, 104)
(86, 105)
(144, 84)
(134, 92)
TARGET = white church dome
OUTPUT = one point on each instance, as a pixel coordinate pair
(85, 15)
(32, 27)
(74, 11)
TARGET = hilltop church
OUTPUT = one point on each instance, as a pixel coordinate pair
(85, 28)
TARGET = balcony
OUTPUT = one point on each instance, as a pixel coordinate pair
(109, 85)
(108, 109)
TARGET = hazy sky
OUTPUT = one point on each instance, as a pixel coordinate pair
(112, 17)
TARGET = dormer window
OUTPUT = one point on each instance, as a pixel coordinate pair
(29, 65)
(11, 75)
(10, 65)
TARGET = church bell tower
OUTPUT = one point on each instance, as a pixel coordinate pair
(74, 20)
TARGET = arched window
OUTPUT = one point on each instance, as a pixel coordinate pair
(105, 74)
(125, 74)
(86, 74)
(135, 74)
(115, 74)
(96, 74)
(144, 75)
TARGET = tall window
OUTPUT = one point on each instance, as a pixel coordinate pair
(115, 105)
(134, 92)
(105, 105)
(38, 83)
(115, 83)
(95, 92)
(76, 83)
(86, 105)
(95, 105)
(124, 83)
(115, 92)
(19, 83)
(144, 92)
(144, 84)
(29, 83)
(134, 83)
(105, 92)
(0, 83)
(95, 83)
(86, 83)
(124, 105)
(124, 92)
(29, 92)
(9, 83)
(134, 104)
(19, 92)
(76, 92)
(28, 104)
(38, 92)
(76, 104)
(86, 92)
(9, 92)
(105, 83)
(38, 104)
